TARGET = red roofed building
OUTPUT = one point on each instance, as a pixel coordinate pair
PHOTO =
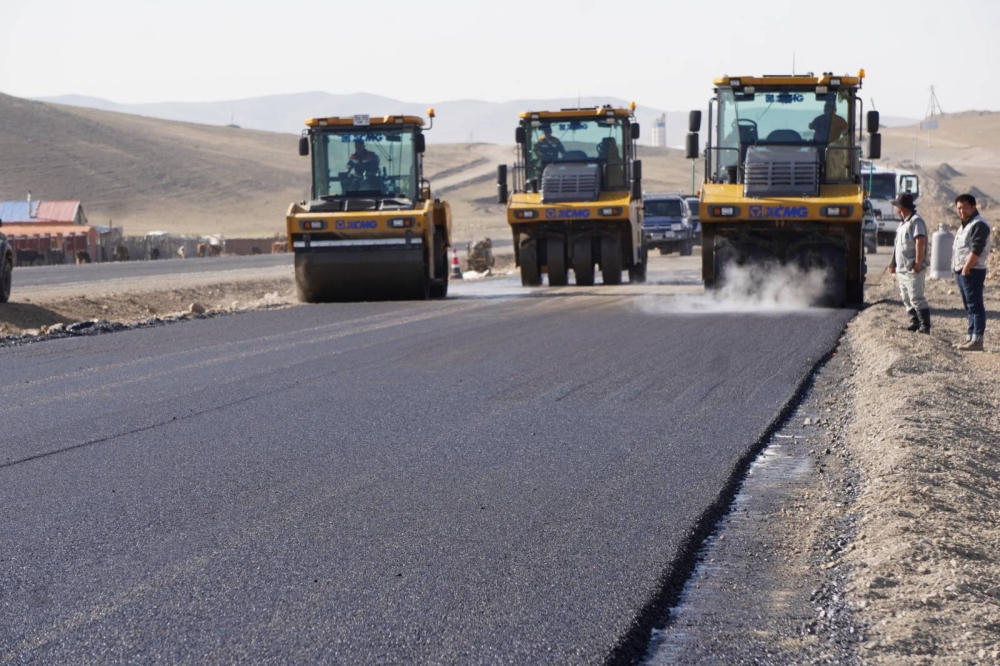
(48, 231)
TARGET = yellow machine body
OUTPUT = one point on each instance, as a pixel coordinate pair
(371, 230)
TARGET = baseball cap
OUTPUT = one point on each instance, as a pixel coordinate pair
(904, 200)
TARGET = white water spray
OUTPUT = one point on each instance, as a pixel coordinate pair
(752, 288)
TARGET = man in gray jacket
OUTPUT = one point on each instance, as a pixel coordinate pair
(968, 260)
(909, 262)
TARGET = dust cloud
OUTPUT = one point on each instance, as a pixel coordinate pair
(752, 288)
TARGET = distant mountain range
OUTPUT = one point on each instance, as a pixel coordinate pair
(461, 121)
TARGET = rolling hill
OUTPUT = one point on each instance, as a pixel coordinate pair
(145, 173)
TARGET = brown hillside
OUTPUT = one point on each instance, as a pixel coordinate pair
(963, 156)
(149, 174)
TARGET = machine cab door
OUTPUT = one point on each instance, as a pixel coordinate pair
(910, 184)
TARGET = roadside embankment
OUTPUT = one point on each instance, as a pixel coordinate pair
(924, 567)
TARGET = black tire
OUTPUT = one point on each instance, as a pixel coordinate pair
(833, 260)
(440, 290)
(531, 276)
(687, 249)
(583, 261)
(555, 249)
(637, 274)
(664, 251)
(611, 259)
(6, 276)
(723, 255)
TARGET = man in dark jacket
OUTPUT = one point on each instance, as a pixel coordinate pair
(968, 260)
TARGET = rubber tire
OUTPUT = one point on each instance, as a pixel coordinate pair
(583, 261)
(440, 265)
(687, 249)
(723, 255)
(664, 251)
(556, 257)
(6, 277)
(637, 274)
(611, 260)
(531, 275)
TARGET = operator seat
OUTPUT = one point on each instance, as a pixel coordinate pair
(607, 150)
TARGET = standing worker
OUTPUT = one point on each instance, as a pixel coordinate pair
(909, 262)
(968, 260)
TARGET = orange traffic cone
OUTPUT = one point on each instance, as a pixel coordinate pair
(456, 270)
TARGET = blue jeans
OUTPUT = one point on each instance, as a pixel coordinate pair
(972, 297)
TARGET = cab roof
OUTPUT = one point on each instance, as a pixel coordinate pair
(590, 112)
(372, 122)
(825, 79)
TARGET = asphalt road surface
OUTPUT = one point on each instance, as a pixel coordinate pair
(42, 276)
(506, 476)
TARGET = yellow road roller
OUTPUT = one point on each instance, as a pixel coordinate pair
(577, 196)
(371, 230)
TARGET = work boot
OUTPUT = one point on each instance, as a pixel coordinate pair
(972, 346)
(914, 320)
(962, 343)
(925, 320)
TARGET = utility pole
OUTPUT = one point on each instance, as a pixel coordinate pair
(931, 115)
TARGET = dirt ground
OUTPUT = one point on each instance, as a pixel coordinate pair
(34, 316)
(924, 567)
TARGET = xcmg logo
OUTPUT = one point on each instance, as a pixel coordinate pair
(566, 213)
(357, 224)
(778, 212)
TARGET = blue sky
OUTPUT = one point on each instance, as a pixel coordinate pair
(662, 54)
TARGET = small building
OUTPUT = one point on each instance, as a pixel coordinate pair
(49, 232)
(660, 131)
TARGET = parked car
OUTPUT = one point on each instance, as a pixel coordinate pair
(869, 227)
(667, 223)
(694, 208)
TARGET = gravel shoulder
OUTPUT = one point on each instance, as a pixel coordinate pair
(33, 311)
(925, 563)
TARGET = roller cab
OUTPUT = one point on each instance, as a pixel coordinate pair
(371, 230)
(576, 201)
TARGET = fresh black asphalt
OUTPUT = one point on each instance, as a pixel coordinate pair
(469, 481)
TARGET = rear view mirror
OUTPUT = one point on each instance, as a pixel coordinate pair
(874, 146)
(303, 145)
(637, 179)
(502, 193)
(635, 131)
(694, 121)
(519, 135)
(419, 143)
(691, 146)
(872, 124)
